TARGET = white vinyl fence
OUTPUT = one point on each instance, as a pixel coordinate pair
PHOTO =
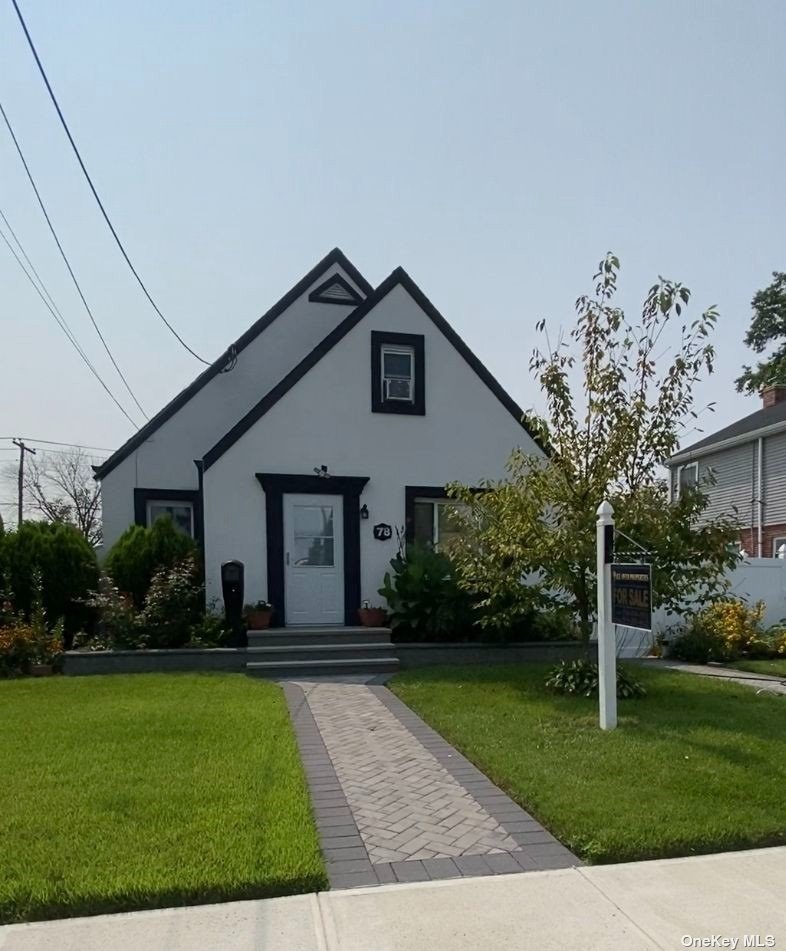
(755, 579)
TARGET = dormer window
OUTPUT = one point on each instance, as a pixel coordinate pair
(397, 373)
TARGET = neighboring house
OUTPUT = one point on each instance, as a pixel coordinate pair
(334, 421)
(743, 469)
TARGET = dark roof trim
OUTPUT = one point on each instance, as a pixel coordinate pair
(399, 276)
(335, 257)
(318, 295)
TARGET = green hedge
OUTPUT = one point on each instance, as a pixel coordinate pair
(68, 566)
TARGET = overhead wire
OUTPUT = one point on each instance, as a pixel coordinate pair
(54, 442)
(64, 256)
(63, 324)
(93, 189)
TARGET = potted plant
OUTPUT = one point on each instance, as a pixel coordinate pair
(258, 615)
(372, 617)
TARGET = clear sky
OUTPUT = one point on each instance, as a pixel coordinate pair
(496, 150)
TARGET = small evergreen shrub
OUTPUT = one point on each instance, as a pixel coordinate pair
(581, 677)
(140, 552)
(66, 563)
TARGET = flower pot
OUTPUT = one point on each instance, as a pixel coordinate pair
(41, 670)
(258, 620)
(372, 617)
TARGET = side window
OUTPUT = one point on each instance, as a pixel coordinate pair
(398, 368)
(181, 513)
(435, 523)
(687, 477)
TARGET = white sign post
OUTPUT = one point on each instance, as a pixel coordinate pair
(607, 641)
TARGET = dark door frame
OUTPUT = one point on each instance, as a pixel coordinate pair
(276, 486)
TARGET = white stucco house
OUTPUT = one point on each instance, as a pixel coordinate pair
(337, 418)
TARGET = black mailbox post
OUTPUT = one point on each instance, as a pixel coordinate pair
(232, 578)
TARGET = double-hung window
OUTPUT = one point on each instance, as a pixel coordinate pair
(398, 373)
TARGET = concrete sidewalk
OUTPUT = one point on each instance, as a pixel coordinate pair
(643, 905)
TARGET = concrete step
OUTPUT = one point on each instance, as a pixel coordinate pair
(287, 636)
(298, 652)
(298, 669)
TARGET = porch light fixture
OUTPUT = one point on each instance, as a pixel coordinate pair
(364, 511)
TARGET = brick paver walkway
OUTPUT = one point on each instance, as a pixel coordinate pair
(394, 802)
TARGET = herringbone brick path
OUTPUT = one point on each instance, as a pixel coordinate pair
(405, 804)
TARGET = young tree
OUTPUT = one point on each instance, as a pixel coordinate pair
(63, 489)
(768, 328)
(539, 522)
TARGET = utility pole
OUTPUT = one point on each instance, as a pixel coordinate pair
(21, 498)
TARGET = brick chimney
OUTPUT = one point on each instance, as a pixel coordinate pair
(771, 395)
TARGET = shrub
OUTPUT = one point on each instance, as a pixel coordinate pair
(722, 631)
(17, 648)
(173, 606)
(582, 676)
(209, 631)
(140, 552)
(23, 643)
(118, 627)
(424, 600)
(68, 570)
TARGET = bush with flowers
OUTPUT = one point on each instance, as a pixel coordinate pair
(728, 629)
(27, 643)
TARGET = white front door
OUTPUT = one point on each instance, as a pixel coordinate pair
(314, 559)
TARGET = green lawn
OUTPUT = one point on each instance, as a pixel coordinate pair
(141, 791)
(695, 766)
(776, 668)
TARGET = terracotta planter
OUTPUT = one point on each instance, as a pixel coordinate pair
(41, 670)
(258, 620)
(373, 617)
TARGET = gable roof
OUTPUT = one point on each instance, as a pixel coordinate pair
(742, 430)
(335, 257)
(398, 277)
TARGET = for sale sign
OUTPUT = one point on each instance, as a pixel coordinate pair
(631, 596)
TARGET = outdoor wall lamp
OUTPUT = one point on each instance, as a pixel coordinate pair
(322, 472)
(364, 511)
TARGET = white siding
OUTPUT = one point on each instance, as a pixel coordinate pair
(166, 459)
(326, 418)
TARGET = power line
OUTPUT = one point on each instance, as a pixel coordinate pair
(54, 442)
(65, 259)
(61, 322)
(92, 186)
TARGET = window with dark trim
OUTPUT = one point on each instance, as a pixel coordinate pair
(398, 366)
(181, 505)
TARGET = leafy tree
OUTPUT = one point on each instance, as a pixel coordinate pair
(768, 328)
(539, 522)
(140, 552)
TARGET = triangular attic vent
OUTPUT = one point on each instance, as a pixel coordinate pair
(335, 290)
